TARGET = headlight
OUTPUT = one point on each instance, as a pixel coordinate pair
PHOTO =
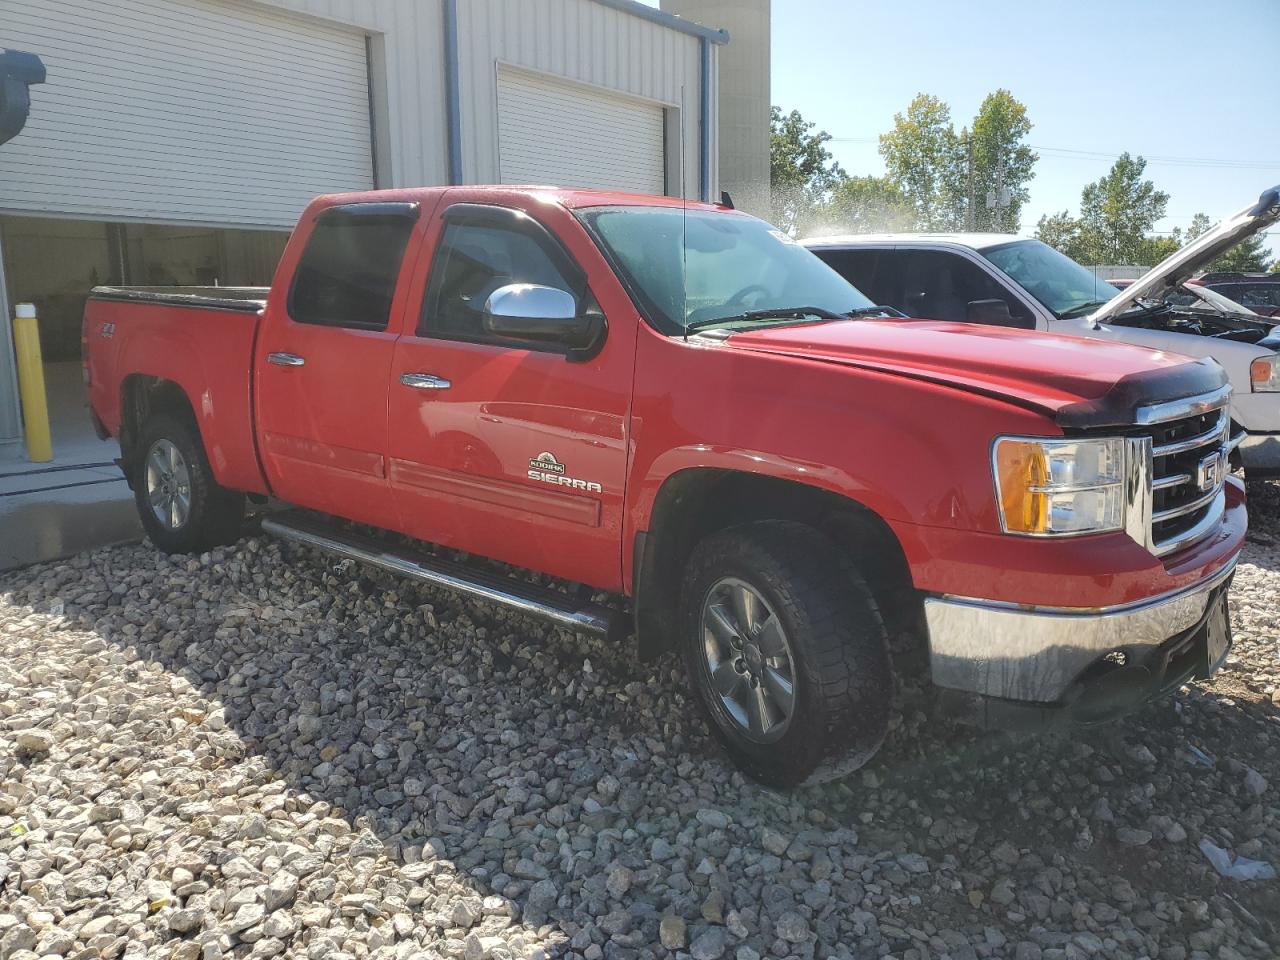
(1264, 374)
(1052, 488)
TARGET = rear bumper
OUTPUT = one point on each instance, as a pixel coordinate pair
(1091, 663)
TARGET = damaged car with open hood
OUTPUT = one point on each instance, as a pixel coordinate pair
(1003, 280)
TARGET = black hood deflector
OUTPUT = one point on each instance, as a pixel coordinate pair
(1119, 406)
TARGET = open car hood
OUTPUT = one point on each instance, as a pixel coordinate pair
(1192, 258)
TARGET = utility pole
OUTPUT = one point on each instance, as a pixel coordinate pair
(970, 221)
(999, 198)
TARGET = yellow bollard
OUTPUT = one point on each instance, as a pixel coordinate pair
(35, 404)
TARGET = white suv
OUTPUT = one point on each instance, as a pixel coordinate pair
(1001, 279)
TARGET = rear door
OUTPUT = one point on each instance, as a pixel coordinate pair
(323, 361)
(506, 449)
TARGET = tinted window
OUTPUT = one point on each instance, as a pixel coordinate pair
(935, 285)
(858, 267)
(347, 275)
(1260, 295)
(477, 256)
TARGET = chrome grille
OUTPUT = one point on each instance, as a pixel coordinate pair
(1188, 470)
(1188, 443)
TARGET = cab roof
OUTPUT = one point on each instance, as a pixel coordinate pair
(572, 198)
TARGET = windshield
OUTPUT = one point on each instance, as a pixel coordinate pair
(698, 266)
(1057, 281)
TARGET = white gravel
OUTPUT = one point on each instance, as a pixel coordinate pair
(259, 752)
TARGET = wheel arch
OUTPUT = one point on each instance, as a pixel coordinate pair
(695, 502)
(142, 396)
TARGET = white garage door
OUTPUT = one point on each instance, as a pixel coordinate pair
(571, 135)
(189, 110)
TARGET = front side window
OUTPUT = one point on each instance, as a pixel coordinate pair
(479, 254)
(859, 267)
(937, 285)
(349, 268)
(1062, 285)
(695, 266)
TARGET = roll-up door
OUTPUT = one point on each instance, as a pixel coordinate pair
(573, 135)
(202, 111)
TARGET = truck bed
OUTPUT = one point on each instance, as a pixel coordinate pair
(201, 339)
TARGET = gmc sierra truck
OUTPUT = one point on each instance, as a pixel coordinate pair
(675, 405)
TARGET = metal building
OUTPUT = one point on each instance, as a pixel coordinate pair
(175, 141)
(744, 95)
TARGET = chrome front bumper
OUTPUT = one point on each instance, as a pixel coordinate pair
(1037, 654)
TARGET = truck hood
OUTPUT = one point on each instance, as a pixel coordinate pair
(1197, 254)
(1075, 381)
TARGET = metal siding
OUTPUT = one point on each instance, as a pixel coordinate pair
(572, 135)
(185, 111)
(579, 40)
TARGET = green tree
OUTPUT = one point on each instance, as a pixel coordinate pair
(923, 160)
(865, 205)
(1118, 211)
(1250, 256)
(1062, 232)
(1002, 162)
(802, 172)
(1199, 224)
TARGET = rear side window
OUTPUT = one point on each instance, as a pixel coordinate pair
(348, 271)
(1260, 295)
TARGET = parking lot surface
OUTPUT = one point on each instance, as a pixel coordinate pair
(263, 752)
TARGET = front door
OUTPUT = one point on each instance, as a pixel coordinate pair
(511, 450)
(323, 361)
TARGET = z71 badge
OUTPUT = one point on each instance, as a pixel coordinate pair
(547, 469)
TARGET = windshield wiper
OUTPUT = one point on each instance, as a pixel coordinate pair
(777, 313)
(1082, 308)
(878, 310)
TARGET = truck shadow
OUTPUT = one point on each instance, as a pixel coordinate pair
(485, 755)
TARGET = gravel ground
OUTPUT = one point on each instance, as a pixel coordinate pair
(262, 752)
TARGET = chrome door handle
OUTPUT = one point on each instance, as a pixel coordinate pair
(285, 359)
(424, 381)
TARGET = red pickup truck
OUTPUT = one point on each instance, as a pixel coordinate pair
(677, 405)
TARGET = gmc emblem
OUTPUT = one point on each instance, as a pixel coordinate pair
(1210, 471)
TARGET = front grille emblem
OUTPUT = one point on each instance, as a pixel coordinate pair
(1210, 472)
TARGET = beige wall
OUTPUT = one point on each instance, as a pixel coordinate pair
(743, 94)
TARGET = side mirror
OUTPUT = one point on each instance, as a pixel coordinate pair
(993, 313)
(530, 311)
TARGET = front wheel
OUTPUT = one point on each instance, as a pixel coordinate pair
(786, 650)
(181, 505)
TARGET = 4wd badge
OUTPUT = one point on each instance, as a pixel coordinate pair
(545, 468)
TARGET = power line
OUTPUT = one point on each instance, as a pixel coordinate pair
(1072, 153)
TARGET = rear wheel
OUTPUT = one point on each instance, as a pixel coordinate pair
(182, 507)
(786, 650)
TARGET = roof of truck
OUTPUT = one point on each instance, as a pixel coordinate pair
(976, 241)
(571, 197)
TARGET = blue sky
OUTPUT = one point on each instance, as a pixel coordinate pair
(1186, 81)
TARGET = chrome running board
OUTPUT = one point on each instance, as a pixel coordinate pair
(530, 599)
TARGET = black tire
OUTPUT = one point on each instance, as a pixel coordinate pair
(214, 516)
(838, 649)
